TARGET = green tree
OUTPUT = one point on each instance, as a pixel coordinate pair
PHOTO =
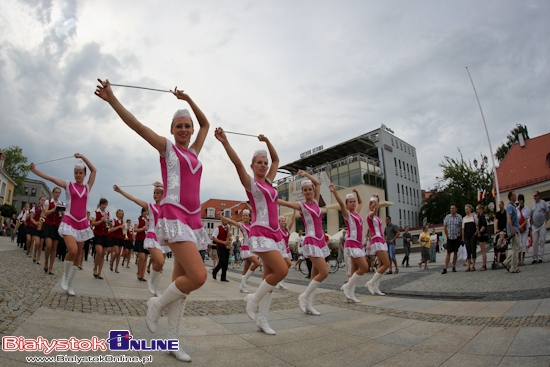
(7, 210)
(512, 138)
(459, 185)
(16, 166)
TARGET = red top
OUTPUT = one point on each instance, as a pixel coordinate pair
(100, 229)
(140, 236)
(53, 219)
(118, 233)
(222, 235)
(35, 214)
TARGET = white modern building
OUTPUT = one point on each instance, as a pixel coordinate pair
(401, 176)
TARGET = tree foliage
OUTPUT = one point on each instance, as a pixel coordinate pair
(16, 166)
(512, 138)
(459, 185)
(7, 210)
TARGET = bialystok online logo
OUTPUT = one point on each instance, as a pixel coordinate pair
(119, 340)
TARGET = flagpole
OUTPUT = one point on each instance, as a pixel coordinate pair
(488, 139)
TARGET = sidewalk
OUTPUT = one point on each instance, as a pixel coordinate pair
(381, 331)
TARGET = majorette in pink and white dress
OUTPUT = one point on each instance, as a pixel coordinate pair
(286, 237)
(151, 240)
(314, 241)
(377, 242)
(245, 248)
(353, 246)
(75, 223)
(264, 230)
(180, 209)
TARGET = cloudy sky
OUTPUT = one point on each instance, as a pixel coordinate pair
(304, 73)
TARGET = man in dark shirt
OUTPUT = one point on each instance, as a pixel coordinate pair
(407, 240)
(391, 232)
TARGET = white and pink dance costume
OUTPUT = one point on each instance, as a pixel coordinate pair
(178, 220)
(376, 243)
(75, 224)
(151, 241)
(353, 247)
(314, 246)
(245, 254)
(265, 236)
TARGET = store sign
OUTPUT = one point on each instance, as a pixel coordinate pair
(311, 151)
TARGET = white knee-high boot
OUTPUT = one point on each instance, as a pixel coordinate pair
(67, 265)
(244, 278)
(305, 300)
(175, 314)
(263, 311)
(282, 285)
(253, 300)
(155, 305)
(371, 284)
(154, 282)
(349, 287)
(72, 273)
(377, 285)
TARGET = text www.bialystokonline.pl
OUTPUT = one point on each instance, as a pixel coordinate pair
(63, 358)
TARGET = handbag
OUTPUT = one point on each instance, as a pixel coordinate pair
(521, 221)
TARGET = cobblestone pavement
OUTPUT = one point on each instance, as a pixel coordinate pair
(24, 287)
(532, 282)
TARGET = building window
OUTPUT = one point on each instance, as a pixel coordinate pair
(395, 161)
(9, 195)
(210, 213)
(400, 169)
(26, 191)
(400, 221)
(227, 213)
(3, 190)
(398, 194)
(392, 142)
(33, 191)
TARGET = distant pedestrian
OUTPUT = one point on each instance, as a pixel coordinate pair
(407, 241)
(523, 214)
(425, 241)
(469, 235)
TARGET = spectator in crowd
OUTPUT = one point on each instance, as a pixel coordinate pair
(539, 217)
(512, 228)
(236, 251)
(469, 235)
(391, 233)
(452, 228)
(500, 218)
(433, 241)
(523, 214)
(341, 247)
(425, 242)
(482, 236)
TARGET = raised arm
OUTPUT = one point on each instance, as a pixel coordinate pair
(315, 181)
(139, 202)
(274, 158)
(290, 204)
(289, 227)
(374, 212)
(201, 119)
(241, 171)
(93, 170)
(105, 92)
(343, 207)
(229, 220)
(359, 201)
(59, 182)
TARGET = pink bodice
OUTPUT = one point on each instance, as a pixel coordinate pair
(154, 210)
(181, 175)
(355, 227)
(77, 198)
(264, 202)
(313, 219)
(375, 228)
